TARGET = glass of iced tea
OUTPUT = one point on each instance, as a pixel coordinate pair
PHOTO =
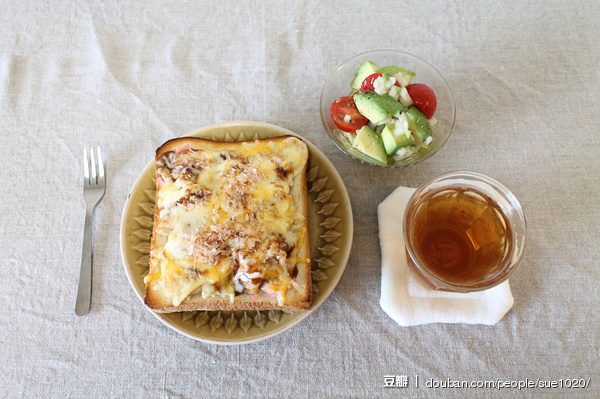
(464, 232)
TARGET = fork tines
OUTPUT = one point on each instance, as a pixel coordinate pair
(97, 169)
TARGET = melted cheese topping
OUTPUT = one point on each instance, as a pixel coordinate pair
(227, 221)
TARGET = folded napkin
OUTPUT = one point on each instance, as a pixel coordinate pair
(406, 300)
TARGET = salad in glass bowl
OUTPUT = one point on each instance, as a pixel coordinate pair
(387, 116)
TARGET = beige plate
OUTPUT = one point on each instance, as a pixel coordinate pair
(330, 232)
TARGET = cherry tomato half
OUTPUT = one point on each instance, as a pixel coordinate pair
(424, 98)
(369, 82)
(344, 108)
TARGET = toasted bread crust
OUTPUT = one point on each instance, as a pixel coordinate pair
(261, 301)
(195, 142)
(223, 304)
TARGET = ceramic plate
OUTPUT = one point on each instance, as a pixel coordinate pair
(330, 233)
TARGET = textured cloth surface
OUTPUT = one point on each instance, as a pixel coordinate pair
(411, 303)
(129, 75)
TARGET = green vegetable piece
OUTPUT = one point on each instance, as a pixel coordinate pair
(418, 124)
(365, 69)
(369, 143)
(392, 141)
(374, 107)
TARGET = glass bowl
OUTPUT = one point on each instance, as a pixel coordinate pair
(338, 85)
(427, 199)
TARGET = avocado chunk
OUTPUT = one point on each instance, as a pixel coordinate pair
(369, 143)
(418, 124)
(393, 141)
(393, 70)
(365, 69)
(375, 107)
(404, 76)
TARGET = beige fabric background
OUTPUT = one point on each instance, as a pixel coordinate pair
(128, 76)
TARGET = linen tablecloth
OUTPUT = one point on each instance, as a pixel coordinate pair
(129, 75)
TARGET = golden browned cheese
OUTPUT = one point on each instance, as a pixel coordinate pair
(227, 221)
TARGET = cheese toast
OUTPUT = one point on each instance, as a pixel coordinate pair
(230, 226)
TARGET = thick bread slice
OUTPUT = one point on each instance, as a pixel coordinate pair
(298, 298)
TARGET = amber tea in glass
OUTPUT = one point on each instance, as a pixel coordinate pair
(460, 235)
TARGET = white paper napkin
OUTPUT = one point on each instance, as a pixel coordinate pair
(406, 300)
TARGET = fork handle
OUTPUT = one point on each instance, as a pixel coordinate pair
(84, 290)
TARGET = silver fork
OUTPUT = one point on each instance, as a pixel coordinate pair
(94, 185)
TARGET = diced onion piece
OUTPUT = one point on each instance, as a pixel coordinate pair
(379, 86)
(405, 99)
(403, 79)
(401, 127)
(385, 121)
(403, 152)
(394, 92)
